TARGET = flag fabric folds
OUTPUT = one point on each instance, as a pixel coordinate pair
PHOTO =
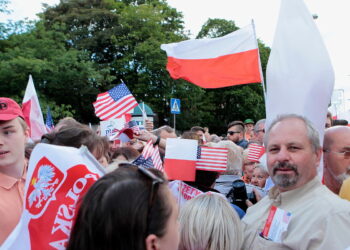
(49, 121)
(216, 62)
(255, 152)
(212, 159)
(180, 159)
(150, 157)
(133, 126)
(183, 192)
(299, 74)
(57, 179)
(32, 112)
(114, 103)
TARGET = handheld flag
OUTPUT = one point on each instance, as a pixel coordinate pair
(300, 75)
(183, 192)
(57, 179)
(150, 157)
(217, 62)
(133, 126)
(114, 103)
(212, 159)
(49, 121)
(32, 112)
(255, 152)
(180, 159)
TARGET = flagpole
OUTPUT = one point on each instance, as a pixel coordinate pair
(144, 115)
(260, 68)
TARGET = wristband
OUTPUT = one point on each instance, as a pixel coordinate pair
(157, 141)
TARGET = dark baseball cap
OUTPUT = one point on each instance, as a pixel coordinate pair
(9, 109)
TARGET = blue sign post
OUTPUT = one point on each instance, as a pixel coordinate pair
(175, 108)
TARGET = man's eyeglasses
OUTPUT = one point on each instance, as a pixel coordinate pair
(345, 154)
(155, 184)
(232, 132)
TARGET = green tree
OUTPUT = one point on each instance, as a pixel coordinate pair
(124, 38)
(61, 75)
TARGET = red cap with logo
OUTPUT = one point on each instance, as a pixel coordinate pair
(9, 109)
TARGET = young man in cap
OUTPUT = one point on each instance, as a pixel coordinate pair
(13, 136)
(249, 125)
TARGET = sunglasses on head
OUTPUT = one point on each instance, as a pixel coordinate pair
(154, 188)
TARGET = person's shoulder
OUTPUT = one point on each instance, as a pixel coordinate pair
(345, 190)
(332, 203)
(258, 210)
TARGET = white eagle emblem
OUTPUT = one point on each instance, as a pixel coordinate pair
(43, 185)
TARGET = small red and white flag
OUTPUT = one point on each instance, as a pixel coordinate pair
(212, 159)
(180, 159)
(32, 112)
(216, 62)
(57, 179)
(255, 152)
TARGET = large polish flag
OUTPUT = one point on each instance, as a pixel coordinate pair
(299, 73)
(180, 159)
(32, 112)
(57, 179)
(216, 62)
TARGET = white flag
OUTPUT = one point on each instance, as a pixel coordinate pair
(57, 179)
(32, 112)
(300, 75)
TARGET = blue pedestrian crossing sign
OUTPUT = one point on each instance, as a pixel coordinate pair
(175, 106)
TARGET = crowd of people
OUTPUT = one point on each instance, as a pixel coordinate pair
(133, 207)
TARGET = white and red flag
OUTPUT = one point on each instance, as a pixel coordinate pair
(255, 152)
(216, 62)
(114, 103)
(180, 159)
(183, 192)
(32, 112)
(57, 179)
(212, 159)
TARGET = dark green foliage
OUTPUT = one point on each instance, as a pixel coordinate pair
(80, 48)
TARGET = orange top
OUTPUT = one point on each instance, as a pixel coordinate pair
(11, 203)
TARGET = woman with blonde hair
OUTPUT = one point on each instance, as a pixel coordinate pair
(208, 222)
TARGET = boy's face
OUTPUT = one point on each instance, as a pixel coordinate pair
(12, 145)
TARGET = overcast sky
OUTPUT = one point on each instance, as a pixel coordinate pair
(333, 20)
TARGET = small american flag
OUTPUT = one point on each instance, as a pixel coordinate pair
(49, 121)
(212, 159)
(255, 151)
(150, 152)
(114, 103)
(133, 126)
(141, 161)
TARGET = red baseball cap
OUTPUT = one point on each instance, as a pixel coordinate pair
(9, 109)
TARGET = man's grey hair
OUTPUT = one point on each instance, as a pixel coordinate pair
(257, 125)
(166, 128)
(312, 132)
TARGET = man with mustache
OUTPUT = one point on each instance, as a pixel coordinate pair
(319, 219)
(336, 148)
